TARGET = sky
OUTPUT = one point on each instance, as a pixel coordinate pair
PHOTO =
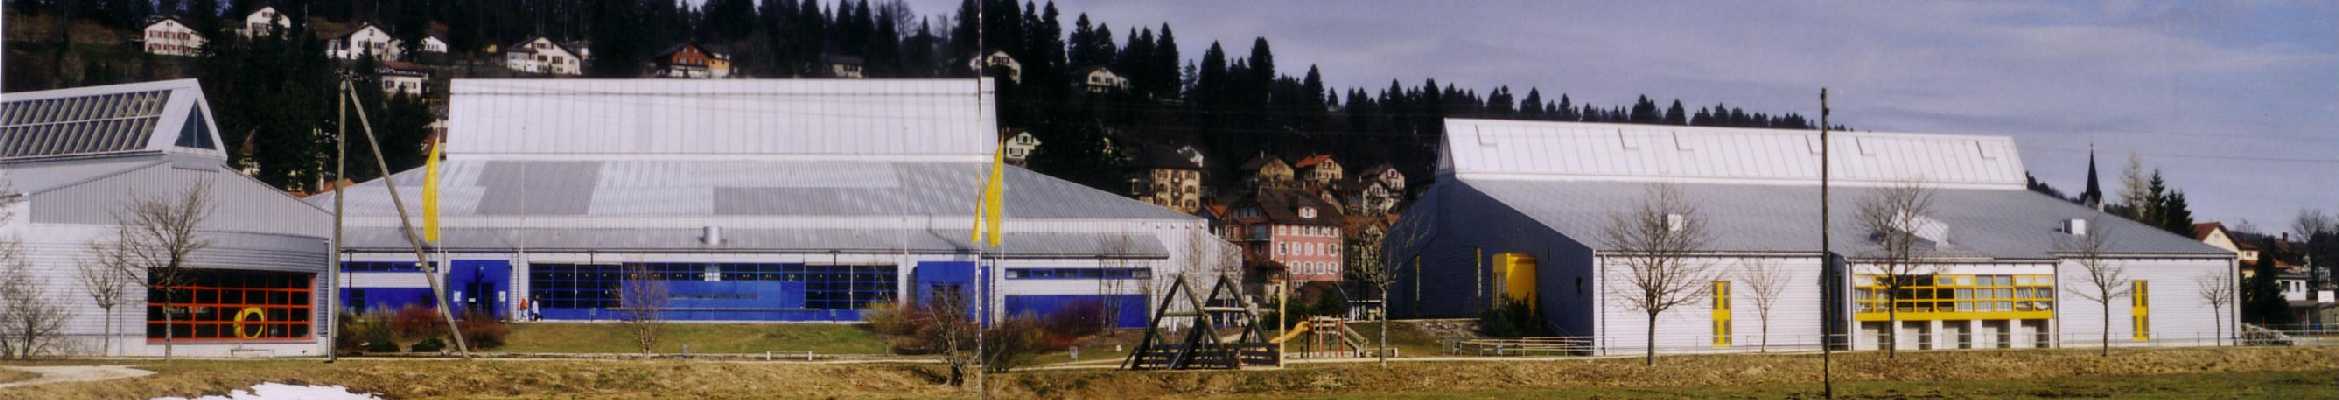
(2236, 104)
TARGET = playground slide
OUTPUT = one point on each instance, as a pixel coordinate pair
(1295, 332)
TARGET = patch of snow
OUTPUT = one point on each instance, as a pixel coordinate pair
(279, 391)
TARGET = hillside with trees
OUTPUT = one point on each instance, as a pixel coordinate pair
(1232, 102)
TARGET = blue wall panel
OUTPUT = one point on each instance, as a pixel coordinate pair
(480, 285)
(1131, 313)
(384, 299)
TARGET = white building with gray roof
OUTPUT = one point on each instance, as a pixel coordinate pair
(74, 162)
(1519, 209)
(755, 200)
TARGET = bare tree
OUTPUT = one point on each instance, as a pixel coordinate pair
(154, 240)
(641, 296)
(1768, 283)
(2217, 290)
(947, 327)
(1108, 288)
(2321, 233)
(106, 285)
(1381, 275)
(29, 322)
(1894, 217)
(1653, 245)
(2100, 281)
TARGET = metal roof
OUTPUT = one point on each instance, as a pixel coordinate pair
(33, 178)
(97, 190)
(819, 240)
(2003, 224)
(665, 188)
(901, 119)
(796, 204)
(1683, 154)
(110, 119)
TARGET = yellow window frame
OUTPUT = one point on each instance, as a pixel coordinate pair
(2140, 310)
(1721, 291)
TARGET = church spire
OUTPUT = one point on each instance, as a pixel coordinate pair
(2093, 197)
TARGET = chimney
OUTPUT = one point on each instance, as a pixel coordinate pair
(711, 235)
(2075, 226)
(1674, 222)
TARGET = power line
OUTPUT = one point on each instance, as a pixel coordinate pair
(2220, 157)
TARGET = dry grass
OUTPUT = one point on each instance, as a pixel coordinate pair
(1671, 372)
(2174, 373)
(514, 379)
(10, 375)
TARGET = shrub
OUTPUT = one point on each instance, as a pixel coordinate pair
(414, 323)
(369, 332)
(345, 325)
(889, 318)
(482, 331)
(428, 345)
(1013, 343)
(1074, 321)
(1510, 319)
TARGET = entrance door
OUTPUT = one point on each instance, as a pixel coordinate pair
(480, 286)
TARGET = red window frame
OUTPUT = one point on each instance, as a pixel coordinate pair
(211, 305)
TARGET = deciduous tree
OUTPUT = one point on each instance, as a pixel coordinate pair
(1651, 265)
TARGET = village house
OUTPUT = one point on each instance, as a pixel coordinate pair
(1266, 171)
(1289, 235)
(1317, 171)
(691, 60)
(1000, 61)
(264, 20)
(1019, 147)
(1101, 80)
(367, 39)
(1171, 177)
(168, 37)
(843, 66)
(1376, 190)
(400, 77)
(541, 55)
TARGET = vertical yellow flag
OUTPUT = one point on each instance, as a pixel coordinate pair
(430, 194)
(987, 208)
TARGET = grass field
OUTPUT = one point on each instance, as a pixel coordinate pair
(2176, 373)
(702, 338)
(2248, 385)
(10, 375)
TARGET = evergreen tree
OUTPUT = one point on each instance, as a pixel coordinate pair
(1262, 63)
(2262, 301)
(2175, 216)
(1165, 65)
(1675, 115)
(411, 26)
(617, 36)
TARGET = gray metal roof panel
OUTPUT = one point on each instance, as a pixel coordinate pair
(36, 177)
(2006, 224)
(739, 188)
(813, 240)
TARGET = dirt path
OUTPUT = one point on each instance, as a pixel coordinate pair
(74, 373)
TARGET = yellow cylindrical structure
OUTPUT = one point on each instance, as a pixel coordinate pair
(1518, 277)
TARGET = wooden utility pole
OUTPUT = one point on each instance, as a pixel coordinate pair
(430, 273)
(1826, 258)
(333, 259)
